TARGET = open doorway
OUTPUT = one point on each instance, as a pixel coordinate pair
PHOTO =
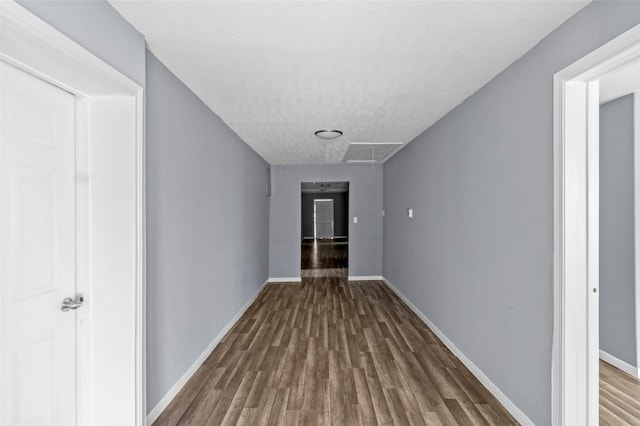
(325, 229)
(582, 255)
(619, 241)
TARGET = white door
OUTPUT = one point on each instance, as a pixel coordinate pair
(37, 252)
(323, 218)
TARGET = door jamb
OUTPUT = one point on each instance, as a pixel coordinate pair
(576, 193)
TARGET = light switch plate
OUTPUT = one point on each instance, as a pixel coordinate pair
(355, 219)
(410, 213)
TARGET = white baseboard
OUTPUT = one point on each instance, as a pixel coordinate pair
(491, 387)
(365, 278)
(620, 364)
(285, 280)
(166, 400)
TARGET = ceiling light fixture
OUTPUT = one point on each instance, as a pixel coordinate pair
(328, 133)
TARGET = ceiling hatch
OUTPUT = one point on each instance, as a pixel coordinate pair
(365, 152)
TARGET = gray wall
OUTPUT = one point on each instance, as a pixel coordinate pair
(365, 202)
(207, 226)
(340, 213)
(617, 239)
(477, 259)
(97, 27)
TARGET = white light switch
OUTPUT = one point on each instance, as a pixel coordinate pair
(410, 212)
(355, 219)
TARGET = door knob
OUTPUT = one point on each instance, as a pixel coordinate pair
(69, 303)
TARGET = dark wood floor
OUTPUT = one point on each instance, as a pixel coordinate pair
(324, 254)
(332, 352)
(619, 397)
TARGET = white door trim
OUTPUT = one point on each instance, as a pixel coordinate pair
(109, 99)
(636, 220)
(576, 194)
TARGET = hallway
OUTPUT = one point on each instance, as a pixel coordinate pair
(328, 351)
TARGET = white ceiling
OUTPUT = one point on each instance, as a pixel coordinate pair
(620, 83)
(275, 72)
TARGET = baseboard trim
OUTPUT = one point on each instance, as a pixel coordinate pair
(365, 278)
(486, 382)
(620, 364)
(285, 280)
(166, 400)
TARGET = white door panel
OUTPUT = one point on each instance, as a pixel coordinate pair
(324, 218)
(37, 252)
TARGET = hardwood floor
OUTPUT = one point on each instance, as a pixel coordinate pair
(619, 397)
(332, 352)
(324, 254)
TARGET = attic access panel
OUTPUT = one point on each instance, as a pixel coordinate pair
(363, 152)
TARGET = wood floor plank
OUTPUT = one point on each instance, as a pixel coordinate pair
(619, 397)
(239, 399)
(398, 413)
(329, 351)
(365, 405)
(458, 412)
(411, 407)
(171, 416)
(489, 414)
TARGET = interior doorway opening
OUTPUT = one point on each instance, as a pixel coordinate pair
(325, 229)
(619, 234)
(577, 209)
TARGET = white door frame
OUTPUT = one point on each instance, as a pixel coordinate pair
(575, 388)
(111, 213)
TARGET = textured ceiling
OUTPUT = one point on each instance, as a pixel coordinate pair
(275, 72)
(620, 83)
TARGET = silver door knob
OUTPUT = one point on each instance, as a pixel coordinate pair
(69, 303)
